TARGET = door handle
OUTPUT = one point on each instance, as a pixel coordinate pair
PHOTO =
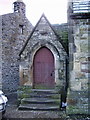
(52, 73)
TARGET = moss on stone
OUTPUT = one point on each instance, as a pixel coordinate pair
(23, 92)
(75, 110)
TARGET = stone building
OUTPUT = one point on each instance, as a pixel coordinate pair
(39, 51)
(79, 53)
(15, 30)
(43, 57)
(37, 57)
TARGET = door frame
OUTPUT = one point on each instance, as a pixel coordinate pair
(56, 55)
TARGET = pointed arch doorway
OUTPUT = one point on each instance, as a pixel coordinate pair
(43, 72)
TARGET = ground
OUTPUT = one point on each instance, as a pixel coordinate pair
(13, 113)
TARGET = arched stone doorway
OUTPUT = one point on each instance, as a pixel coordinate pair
(44, 68)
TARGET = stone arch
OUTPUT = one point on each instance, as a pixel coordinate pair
(55, 53)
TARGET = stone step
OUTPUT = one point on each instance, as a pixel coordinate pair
(36, 95)
(40, 101)
(39, 107)
(39, 95)
(45, 91)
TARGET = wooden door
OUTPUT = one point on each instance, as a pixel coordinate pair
(44, 68)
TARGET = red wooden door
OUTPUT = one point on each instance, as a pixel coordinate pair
(44, 68)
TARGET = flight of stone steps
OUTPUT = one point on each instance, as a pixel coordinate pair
(43, 100)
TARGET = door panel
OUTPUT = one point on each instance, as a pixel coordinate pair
(44, 68)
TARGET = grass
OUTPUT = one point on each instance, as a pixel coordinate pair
(43, 87)
(23, 92)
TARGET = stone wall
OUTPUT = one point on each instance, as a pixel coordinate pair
(1, 52)
(79, 49)
(15, 30)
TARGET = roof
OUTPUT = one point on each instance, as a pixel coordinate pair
(34, 30)
(19, 1)
(80, 15)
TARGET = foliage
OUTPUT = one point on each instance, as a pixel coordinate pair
(62, 31)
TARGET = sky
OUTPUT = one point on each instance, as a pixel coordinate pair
(55, 10)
